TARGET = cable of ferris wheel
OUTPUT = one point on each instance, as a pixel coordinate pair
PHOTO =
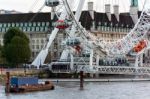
(78, 26)
(42, 55)
(57, 10)
(30, 10)
(33, 5)
(37, 13)
(75, 21)
(72, 15)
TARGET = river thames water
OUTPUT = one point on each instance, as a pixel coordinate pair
(92, 90)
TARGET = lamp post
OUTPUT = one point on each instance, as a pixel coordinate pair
(25, 67)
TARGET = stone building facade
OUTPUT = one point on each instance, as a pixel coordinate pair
(106, 26)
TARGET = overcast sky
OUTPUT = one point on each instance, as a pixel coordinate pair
(34, 5)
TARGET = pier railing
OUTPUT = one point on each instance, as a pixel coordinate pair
(128, 70)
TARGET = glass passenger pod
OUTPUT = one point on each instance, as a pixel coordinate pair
(52, 3)
(86, 53)
(60, 66)
(61, 24)
(73, 42)
(78, 49)
(141, 45)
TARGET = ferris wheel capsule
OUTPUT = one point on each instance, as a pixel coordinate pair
(61, 24)
(52, 3)
(86, 53)
(78, 49)
(73, 42)
(141, 45)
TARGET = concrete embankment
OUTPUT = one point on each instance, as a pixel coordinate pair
(18, 72)
(100, 80)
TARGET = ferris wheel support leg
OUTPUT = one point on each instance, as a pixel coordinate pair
(91, 58)
(73, 28)
(97, 60)
(141, 60)
(77, 16)
(42, 55)
(72, 62)
(137, 62)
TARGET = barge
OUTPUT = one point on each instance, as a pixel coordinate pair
(28, 84)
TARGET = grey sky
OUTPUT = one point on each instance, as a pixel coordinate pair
(34, 5)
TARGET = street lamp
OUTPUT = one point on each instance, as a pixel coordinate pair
(25, 67)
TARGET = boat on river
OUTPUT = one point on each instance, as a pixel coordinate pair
(28, 84)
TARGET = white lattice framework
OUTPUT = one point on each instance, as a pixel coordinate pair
(122, 46)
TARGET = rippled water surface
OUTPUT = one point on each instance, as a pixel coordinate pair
(99, 90)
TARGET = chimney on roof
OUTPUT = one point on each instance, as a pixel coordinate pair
(53, 9)
(134, 10)
(90, 9)
(107, 11)
(2, 11)
(116, 12)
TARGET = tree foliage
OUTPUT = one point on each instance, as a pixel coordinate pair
(14, 32)
(16, 47)
(2, 59)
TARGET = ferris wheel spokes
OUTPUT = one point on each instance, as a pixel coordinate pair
(39, 60)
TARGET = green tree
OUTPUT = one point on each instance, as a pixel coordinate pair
(16, 47)
(2, 58)
(14, 32)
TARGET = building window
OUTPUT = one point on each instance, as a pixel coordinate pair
(41, 46)
(3, 29)
(102, 28)
(21, 24)
(12, 24)
(117, 30)
(5, 24)
(33, 29)
(39, 24)
(42, 41)
(41, 29)
(32, 54)
(1, 25)
(47, 23)
(34, 23)
(20, 28)
(7, 29)
(43, 23)
(37, 46)
(37, 28)
(9, 24)
(28, 29)
(25, 24)
(37, 41)
(30, 24)
(33, 47)
(24, 29)
(17, 24)
(45, 29)
(33, 41)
